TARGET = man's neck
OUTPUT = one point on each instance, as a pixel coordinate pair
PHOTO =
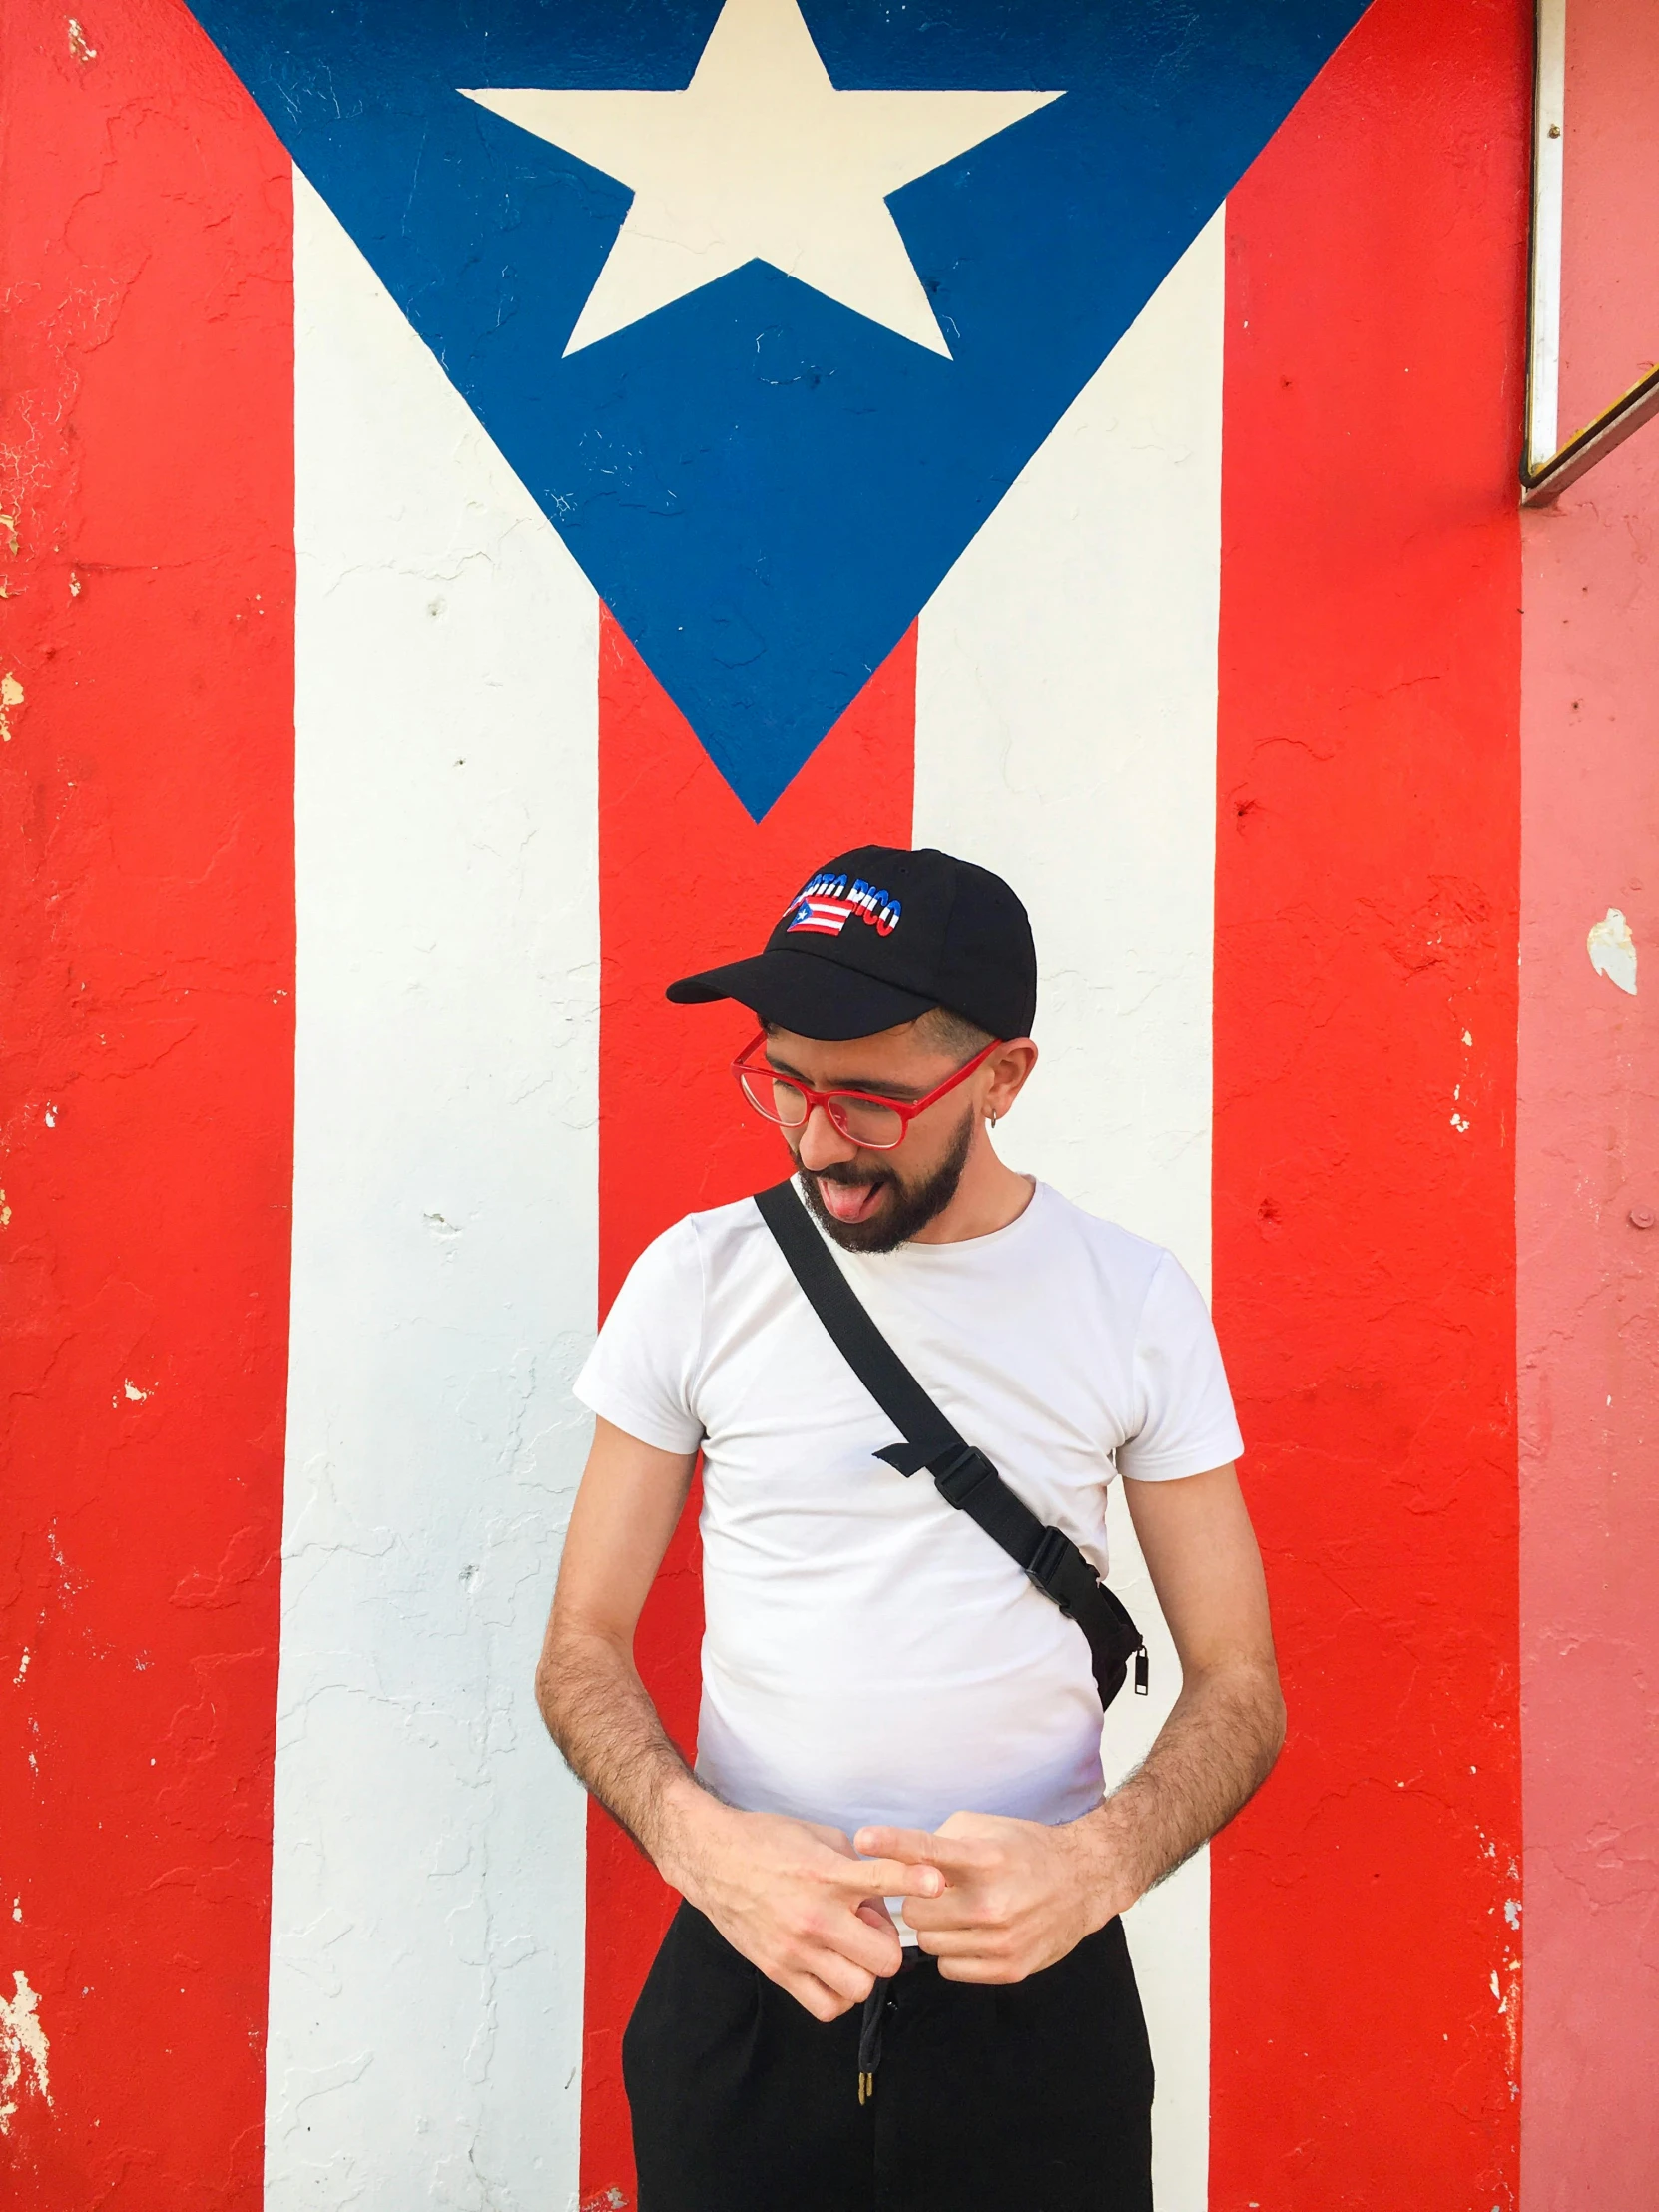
(989, 1196)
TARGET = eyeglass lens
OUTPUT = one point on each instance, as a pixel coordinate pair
(863, 1120)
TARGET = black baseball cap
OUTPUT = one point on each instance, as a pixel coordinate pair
(877, 936)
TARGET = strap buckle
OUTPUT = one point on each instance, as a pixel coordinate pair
(1052, 1552)
(959, 1472)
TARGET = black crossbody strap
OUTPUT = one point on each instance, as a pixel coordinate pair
(962, 1474)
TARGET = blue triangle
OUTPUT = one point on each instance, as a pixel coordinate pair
(763, 486)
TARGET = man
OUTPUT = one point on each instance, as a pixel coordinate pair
(898, 1981)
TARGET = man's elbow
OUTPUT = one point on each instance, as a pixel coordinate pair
(1245, 1697)
(556, 1669)
(1275, 1720)
(547, 1691)
(574, 1657)
(1266, 1700)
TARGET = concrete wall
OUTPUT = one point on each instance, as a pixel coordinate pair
(1587, 1201)
(358, 837)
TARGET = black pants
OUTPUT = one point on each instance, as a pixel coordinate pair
(1036, 2098)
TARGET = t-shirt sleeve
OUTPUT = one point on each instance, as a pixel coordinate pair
(1188, 1425)
(638, 1374)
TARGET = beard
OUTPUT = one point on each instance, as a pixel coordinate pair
(903, 1208)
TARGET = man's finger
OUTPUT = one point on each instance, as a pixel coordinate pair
(815, 1997)
(915, 1846)
(881, 1878)
(875, 1950)
(956, 1943)
(971, 1967)
(909, 1843)
(837, 1839)
(953, 1908)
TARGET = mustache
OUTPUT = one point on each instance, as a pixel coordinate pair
(904, 1207)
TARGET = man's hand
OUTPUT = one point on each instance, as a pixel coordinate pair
(1021, 1895)
(794, 1900)
(1018, 1897)
(794, 1897)
(993, 1899)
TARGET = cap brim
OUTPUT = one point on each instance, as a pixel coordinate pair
(813, 997)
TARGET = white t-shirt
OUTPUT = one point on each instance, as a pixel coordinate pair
(870, 1654)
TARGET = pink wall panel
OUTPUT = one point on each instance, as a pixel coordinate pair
(1610, 190)
(1588, 1171)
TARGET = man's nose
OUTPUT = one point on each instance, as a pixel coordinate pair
(822, 1143)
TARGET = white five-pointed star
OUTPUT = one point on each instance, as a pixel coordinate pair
(762, 159)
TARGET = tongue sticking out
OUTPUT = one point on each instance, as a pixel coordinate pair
(850, 1202)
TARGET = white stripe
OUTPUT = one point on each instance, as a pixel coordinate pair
(427, 1937)
(1066, 737)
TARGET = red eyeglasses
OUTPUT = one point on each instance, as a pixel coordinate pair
(879, 1123)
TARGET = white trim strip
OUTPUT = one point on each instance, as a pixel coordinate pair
(1543, 385)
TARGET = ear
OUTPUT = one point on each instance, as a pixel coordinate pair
(1009, 1068)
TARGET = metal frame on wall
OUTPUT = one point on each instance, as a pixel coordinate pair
(1548, 466)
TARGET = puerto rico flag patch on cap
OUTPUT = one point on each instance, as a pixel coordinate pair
(829, 903)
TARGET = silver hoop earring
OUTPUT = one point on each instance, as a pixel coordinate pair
(994, 1121)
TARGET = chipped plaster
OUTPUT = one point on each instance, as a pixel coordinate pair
(24, 2051)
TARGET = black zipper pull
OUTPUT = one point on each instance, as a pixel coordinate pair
(1142, 1671)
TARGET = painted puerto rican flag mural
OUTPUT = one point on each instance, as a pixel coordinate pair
(497, 493)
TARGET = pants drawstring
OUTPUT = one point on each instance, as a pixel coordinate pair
(870, 2040)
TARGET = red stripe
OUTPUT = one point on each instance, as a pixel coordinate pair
(149, 450)
(687, 880)
(1366, 915)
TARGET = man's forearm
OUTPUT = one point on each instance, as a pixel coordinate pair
(601, 1717)
(790, 1897)
(1212, 1754)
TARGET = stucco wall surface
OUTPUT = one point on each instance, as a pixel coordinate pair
(1587, 1186)
(1366, 895)
(146, 953)
(348, 839)
(1587, 1228)
(1610, 186)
